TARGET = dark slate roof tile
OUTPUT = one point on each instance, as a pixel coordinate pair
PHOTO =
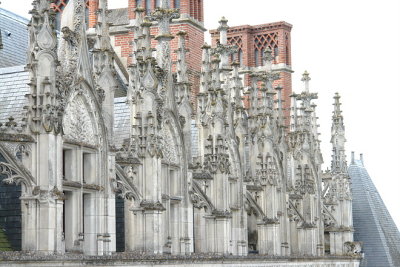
(372, 222)
(121, 121)
(13, 88)
(14, 32)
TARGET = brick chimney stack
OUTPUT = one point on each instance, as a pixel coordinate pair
(93, 6)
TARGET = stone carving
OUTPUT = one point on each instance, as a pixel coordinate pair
(329, 220)
(303, 187)
(22, 151)
(13, 176)
(149, 80)
(353, 248)
(152, 205)
(197, 201)
(48, 195)
(169, 145)
(78, 122)
(245, 151)
(122, 190)
(45, 38)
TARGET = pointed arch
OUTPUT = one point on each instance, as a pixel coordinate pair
(15, 173)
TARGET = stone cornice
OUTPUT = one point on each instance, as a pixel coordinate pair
(12, 257)
(9, 137)
(255, 28)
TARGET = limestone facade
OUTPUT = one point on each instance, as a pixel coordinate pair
(226, 180)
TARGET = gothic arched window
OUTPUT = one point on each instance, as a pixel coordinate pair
(240, 57)
(256, 57)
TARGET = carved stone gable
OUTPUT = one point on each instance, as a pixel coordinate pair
(77, 123)
(169, 145)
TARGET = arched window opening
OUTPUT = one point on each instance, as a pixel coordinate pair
(79, 167)
(120, 224)
(240, 57)
(276, 53)
(256, 57)
(10, 215)
(287, 56)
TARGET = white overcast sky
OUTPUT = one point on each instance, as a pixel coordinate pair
(348, 46)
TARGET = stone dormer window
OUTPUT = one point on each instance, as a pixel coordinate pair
(67, 164)
(79, 167)
(88, 167)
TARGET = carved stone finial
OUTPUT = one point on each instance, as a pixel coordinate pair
(223, 28)
(306, 79)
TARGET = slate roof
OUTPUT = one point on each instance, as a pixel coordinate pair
(121, 121)
(372, 222)
(13, 87)
(14, 37)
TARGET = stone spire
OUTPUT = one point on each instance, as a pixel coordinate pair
(306, 109)
(181, 64)
(103, 67)
(339, 163)
(223, 39)
(293, 113)
(43, 111)
(102, 27)
(163, 16)
(306, 79)
(44, 118)
(183, 94)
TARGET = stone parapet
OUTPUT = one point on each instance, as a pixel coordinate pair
(133, 259)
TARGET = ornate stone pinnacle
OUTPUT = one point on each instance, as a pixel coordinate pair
(223, 28)
(306, 78)
(223, 24)
(337, 111)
